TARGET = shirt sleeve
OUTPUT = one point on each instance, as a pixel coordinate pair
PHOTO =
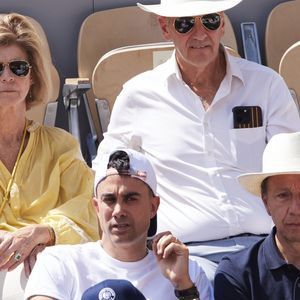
(227, 284)
(282, 114)
(73, 217)
(121, 129)
(48, 278)
(201, 281)
(74, 220)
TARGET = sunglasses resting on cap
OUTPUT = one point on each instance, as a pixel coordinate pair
(186, 24)
(18, 67)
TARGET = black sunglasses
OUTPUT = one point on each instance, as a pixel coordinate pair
(18, 67)
(185, 24)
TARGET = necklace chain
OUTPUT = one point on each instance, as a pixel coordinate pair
(203, 100)
(13, 175)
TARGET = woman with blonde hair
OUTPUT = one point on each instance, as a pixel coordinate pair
(45, 185)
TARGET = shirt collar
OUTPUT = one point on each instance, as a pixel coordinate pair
(173, 67)
(271, 253)
(232, 66)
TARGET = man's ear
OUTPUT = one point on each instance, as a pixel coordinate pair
(164, 26)
(222, 23)
(95, 204)
(154, 205)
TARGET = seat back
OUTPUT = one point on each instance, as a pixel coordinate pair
(229, 38)
(112, 70)
(289, 69)
(109, 29)
(106, 30)
(37, 113)
(282, 30)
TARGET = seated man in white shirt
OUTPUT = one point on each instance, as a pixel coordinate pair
(203, 118)
(126, 204)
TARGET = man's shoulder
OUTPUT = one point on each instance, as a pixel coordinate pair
(250, 66)
(54, 135)
(71, 251)
(253, 274)
(237, 272)
(248, 260)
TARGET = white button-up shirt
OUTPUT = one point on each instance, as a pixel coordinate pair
(197, 154)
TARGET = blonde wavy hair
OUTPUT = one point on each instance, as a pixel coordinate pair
(16, 29)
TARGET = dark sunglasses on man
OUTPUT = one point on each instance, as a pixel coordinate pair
(18, 67)
(186, 24)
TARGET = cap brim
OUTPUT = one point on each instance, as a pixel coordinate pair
(251, 182)
(191, 8)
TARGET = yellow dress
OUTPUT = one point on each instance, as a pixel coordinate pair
(53, 185)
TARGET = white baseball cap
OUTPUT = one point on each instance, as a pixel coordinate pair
(139, 167)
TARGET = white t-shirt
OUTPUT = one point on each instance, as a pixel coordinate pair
(197, 154)
(64, 272)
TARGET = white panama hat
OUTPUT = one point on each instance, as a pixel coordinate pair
(184, 8)
(281, 157)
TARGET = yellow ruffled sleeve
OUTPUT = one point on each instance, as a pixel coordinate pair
(73, 219)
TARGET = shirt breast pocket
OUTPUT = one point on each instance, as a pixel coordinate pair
(247, 146)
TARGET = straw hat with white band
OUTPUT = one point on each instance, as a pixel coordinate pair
(188, 8)
(281, 157)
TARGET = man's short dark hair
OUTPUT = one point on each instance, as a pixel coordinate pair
(264, 186)
(120, 161)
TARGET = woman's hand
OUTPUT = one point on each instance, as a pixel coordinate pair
(3, 235)
(16, 247)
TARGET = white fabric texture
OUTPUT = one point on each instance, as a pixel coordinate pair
(197, 154)
(64, 272)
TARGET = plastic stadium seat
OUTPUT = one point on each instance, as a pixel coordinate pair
(289, 69)
(282, 30)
